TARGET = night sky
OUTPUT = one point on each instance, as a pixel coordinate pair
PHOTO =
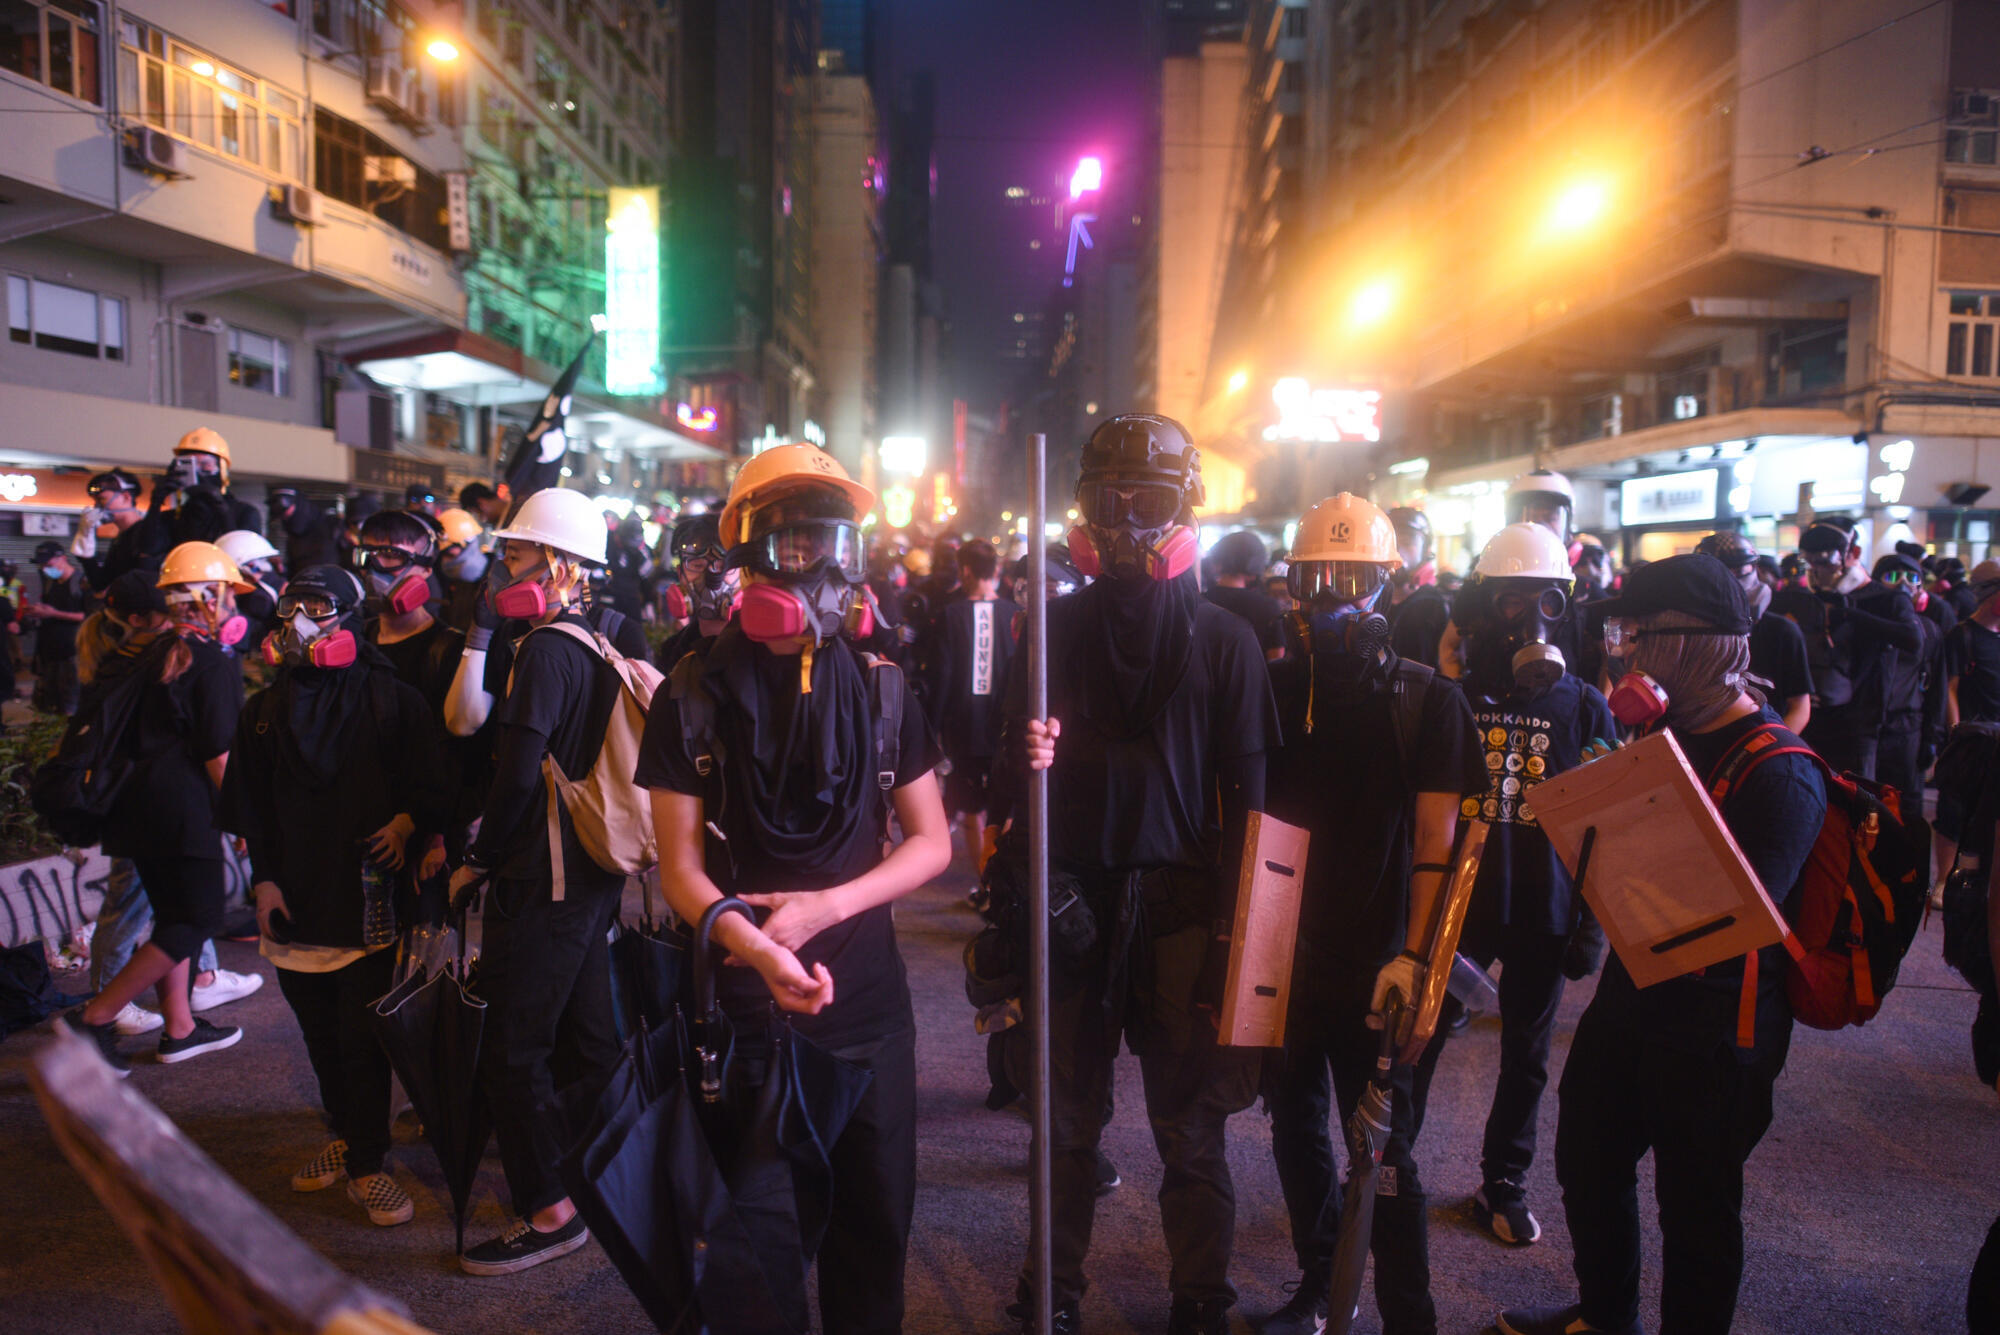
(1025, 87)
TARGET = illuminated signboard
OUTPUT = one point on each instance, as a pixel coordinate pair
(1324, 415)
(632, 290)
(899, 505)
(695, 419)
(17, 487)
(1672, 498)
(905, 455)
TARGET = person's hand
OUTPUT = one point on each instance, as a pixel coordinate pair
(1399, 979)
(433, 862)
(269, 899)
(484, 615)
(797, 916)
(385, 846)
(463, 882)
(791, 986)
(1042, 734)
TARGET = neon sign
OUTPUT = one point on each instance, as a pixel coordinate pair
(632, 290)
(1324, 415)
(17, 487)
(906, 455)
(695, 419)
(899, 505)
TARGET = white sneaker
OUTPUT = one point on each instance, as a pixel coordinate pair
(227, 987)
(133, 1018)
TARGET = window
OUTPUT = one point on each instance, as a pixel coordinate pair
(260, 362)
(1972, 131)
(1969, 336)
(57, 318)
(54, 42)
(391, 187)
(1295, 23)
(197, 97)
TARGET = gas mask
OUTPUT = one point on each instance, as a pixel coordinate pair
(397, 580)
(1130, 529)
(523, 597)
(194, 470)
(812, 585)
(303, 642)
(209, 610)
(708, 596)
(467, 565)
(1511, 621)
(1337, 623)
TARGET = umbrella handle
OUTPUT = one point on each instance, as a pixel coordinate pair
(710, 1055)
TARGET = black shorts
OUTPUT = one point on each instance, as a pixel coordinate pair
(965, 787)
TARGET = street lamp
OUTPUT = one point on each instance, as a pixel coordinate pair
(1372, 303)
(442, 49)
(1238, 379)
(1578, 206)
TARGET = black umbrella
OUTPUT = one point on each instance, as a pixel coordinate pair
(703, 1167)
(648, 964)
(430, 1025)
(1367, 1134)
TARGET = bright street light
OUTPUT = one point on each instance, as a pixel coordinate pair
(1089, 176)
(1372, 302)
(1237, 380)
(442, 49)
(1578, 206)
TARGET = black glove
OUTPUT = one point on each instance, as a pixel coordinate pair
(1585, 950)
(485, 619)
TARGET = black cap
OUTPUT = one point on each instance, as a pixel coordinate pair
(46, 550)
(335, 582)
(134, 592)
(1826, 538)
(1693, 585)
(1731, 548)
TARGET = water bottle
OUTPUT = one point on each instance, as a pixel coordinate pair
(378, 904)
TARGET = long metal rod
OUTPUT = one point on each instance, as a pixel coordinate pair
(1040, 1192)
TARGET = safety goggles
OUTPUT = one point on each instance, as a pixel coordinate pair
(1624, 632)
(390, 560)
(807, 545)
(1550, 603)
(1901, 577)
(1823, 560)
(316, 606)
(697, 549)
(1341, 581)
(1144, 504)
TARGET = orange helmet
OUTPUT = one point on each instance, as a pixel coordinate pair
(780, 471)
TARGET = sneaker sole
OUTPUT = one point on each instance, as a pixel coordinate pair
(488, 1268)
(133, 1031)
(169, 1058)
(315, 1183)
(386, 1218)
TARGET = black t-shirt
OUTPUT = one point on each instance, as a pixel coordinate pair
(1774, 813)
(561, 698)
(978, 644)
(167, 807)
(1527, 739)
(871, 990)
(57, 637)
(1254, 606)
(1778, 655)
(1972, 659)
(1417, 624)
(1350, 782)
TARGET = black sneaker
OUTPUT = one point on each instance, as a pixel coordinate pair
(104, 1037)
(1063, 1321)
(1305, 1314)
(1557, 1321)
(522, 1247)
(1108, 1180)
(1504, 1213)
(1198, 1316)
(204, 1037)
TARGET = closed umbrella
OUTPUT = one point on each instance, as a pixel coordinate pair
(648, 966)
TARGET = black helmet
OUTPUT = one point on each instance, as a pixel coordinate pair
(696, 536)
(115, 480)
(1239, 553)
(1732, 549)
(1141, 447)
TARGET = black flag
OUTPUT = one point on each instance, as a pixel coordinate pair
(537, 461)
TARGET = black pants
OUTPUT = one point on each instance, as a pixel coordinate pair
(353, 1071)
(1326, 1032)
(1192, 1086)
(1625, 1092)
(874, 1195)
(56, 688)
(545, 972)
(1531, 989)
(1896, 761)
(186, 895)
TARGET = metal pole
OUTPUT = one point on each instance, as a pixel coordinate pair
(1040, 1192)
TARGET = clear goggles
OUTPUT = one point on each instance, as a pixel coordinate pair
(1110, 504)
(390, 560)
(1340, 581)
(317, 606)
(1897, 575)
(805, 546)
(1623, 632)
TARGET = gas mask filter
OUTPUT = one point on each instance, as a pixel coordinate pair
(400, 594)
(819, 607)
(1161, 554)
(1638, 700)
(524, 597)
(301, 641)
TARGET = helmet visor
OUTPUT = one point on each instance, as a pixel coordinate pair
(1341, 581)
(1106, 504)
(800, 548)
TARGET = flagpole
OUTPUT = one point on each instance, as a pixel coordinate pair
(1040, 1190)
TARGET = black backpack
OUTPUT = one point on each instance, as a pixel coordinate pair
(74, 789)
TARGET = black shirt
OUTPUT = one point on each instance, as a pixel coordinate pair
(1351, 783)
(1417, 624)
(1121, 802)
(977, 647)
(1527, 739)
(57, 637)
(428, 661)
(1778, 655)
(1972, 659)
(167, 807)
(871, 990)
(1254, 606)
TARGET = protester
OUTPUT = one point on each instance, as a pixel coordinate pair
(200, 464)
(421, 498)
(1778, 652)
(1377, 754)
(164, 816)
(310, 531)
(1591, 570)
(1900, 756)
(1240, 560)
(628, 568)
(1418, 610)
(1868, 624)
(333, 778)
(1666, 1069)
(1972, 653)
(482, 503)
(57, 612)
(704, 592)
(114, 500)
(807, 769)
(978, 644)
(1535, 718)
(1160, 717)
(461, 566)
(544, 966)
(253, 556)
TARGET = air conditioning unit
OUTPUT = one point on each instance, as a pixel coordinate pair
(156, 151)
(297, 204)
(389, 169)
(388, 85)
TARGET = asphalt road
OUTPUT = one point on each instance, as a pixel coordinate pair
(1864, 1207)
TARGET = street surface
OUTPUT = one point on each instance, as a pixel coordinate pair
(1864, 1207)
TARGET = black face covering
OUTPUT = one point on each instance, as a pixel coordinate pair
(798, 765)
(320, 705)
(1135, 652)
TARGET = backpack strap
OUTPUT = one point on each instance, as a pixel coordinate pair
(608, 623)
(697, 711)
(887, 679)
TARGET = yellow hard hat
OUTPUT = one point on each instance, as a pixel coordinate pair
(204, 440)
(202, 563)
(459, 527)
(1345, 528)
(777, 472)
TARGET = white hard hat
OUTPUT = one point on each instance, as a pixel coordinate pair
(1542, 482)
(244, 546)
(568, 521)
(1527, 551)
(1345, 528)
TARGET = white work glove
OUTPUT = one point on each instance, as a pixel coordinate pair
(83, 545)
(1401, 975)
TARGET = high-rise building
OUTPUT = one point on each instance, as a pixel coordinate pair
(848, 245)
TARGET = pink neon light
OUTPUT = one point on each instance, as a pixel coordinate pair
(693, 418)
(1089, 176)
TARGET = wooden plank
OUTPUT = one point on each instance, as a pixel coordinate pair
(1269, 888)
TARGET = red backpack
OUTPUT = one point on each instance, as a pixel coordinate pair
(1861, 893)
